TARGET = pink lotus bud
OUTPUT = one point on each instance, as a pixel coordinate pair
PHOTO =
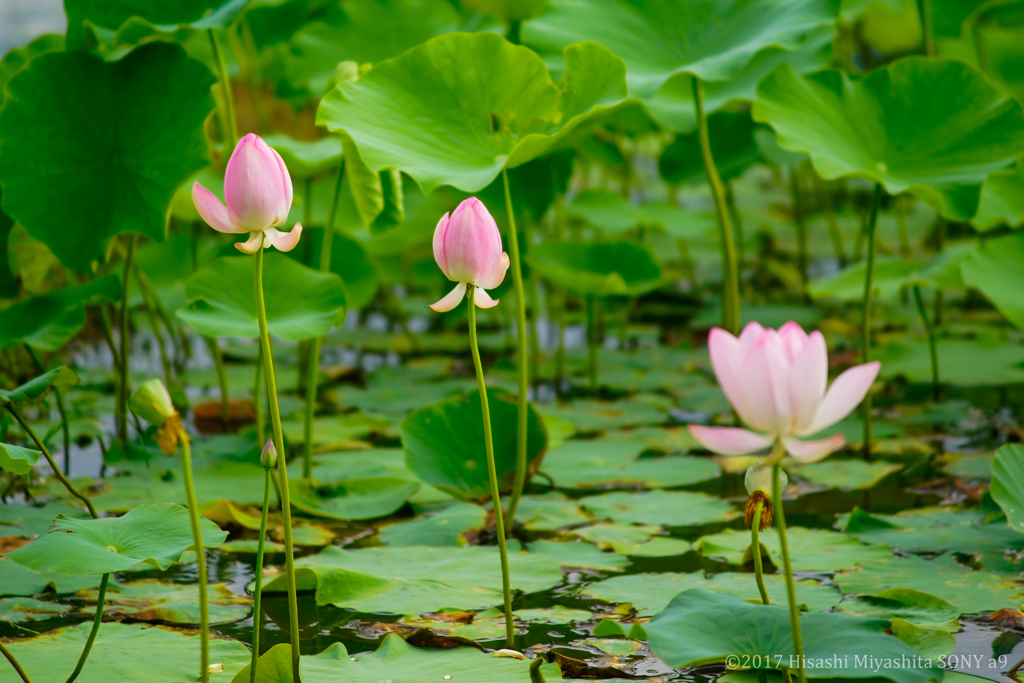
(776, 381)
(258, 194)
(467, 247)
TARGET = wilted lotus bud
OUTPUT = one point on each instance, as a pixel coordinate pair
(758, 481)
(152, 403)
(268, 458)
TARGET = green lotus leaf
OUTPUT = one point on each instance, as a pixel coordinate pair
(17, 459)
(607, 463)
(910, 358)
(811, 550)
(351, 498)
(932, 529)
(303, 158)
(416, 579)
(155, 533)
(701, 628)
(16, 610)
(459, 108)
(1002, 200)
(16, 60)
(446, 527)
(92, 149)
(667, 508)
(916, 607)
(883, 128)
(846, 475)
(172, 603)
(613, 213)
(598, 268)
(126, 21)
(18, 580)
(349, 261)
(579, 554)
(606, 416)
(658, 39)
(1008, 483)
(553, 615)
(50, 320)
(893, 274)
(549, 511)
(29, 521)
(444, 443)
(301, 303)
(127, 652)
(994, 267)
(237, 482)
(930, 643)
(732, 144)
(39, 388)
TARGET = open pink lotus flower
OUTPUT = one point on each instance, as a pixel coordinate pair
(258, 194)
(467, 247)
(776, 382)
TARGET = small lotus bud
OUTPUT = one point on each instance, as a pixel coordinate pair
(152, 403)
(758, 481)
(268, 458)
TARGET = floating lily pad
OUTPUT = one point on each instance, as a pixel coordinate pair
(553, 615)
(598, 268)
(651, 593)
(135, 652)
(593, 416)
(18, 580)
(478, 629)
(933, 529)
(444, 528)
(155, 533)
(621, 538)
(337, 432)
(173, 603)
(911, 358)
(18, 610)
(235, 481)
(607, 463)
(916, 607)
(301, 303)
(930, 643)
(351, 498)
(29, 521)
(548, 512)
(970, 466)
(416, 579)
(969, 591)
(811, 550)
(668, 508)
(846, 475)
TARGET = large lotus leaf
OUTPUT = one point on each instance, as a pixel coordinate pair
(995, 268)
(732, 144)
(155, 533)
(10, 285)
(605, 416)
(40, 387)
(846, 475)
(910, 358)
(42, 321)
(90, 149)
(612, 212)
(351, 498)
(16, 610)
(916, 607)
(303, 158)
(651, 593)
(18, 580)
(349, 261)
(548, 512)
(892, 274)
(598, 268)
(17, 459)
(811, 550)
(237, 482)
(396, 660)
(460, 107)
(121, 21)
(1008, 483)
(301, 303)
(667, 508)
(29, 521)
(15, 60)
(446, 527)
(444, 443)
(580, 554)
(416, 579)
(172, 603)
(889, 128)
(933, 529)
(701, 628)
(970, 591)
(126, 652)
(608, 463)
(657, 39)
(1002, 200)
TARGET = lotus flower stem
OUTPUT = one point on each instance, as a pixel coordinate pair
(730, 272)
(49, 458)
(780, 522)
(123, 390)
(222, 381)
(755, 546)
(97, 620)
(558, 298)
(282, 465)
(1015, 667)
(257, 595)
(492, 472)
(930, 331)
(734, 216)
(14, 662)
(592, 341)
(197, 539)
(59, 400)
(108, 337)
(869, 285)
(522, 363)
(257, 399)
(926, 27)
(227, 112)
(314, 352)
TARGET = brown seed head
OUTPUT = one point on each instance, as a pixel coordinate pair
(767, 512)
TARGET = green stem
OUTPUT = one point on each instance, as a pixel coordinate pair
(97, 620)
(521, 357)
(801, 227)
(59, 399)
(1015, 667)
(282, 465)
(559, 299)
(492, 473)
(869, 284)
(123, 389)
(227, 112)
(197, 539)
(14, 662)
(108, 337)
(256, 613)
(313, 374)
(926, 27)
(734, 215)
(730, 273)
(49, 458)
(755, 547)
(257, 398)
(222, 381)
(794, 608)
(930, 331)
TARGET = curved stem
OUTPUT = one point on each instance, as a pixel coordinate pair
(222, 381)
(730, 273)
(521, 357)
(930, 331)
(228, 102)
(123, 389)
(197, 539)
(97, 620)
(313, 373)
(794, 609)
(492, 473)
(14, 662)
(59, 399)
(257, 595)
(282, 464)
(257, 398)
(755, 546)
(869, 283)
(108, 336)
(49, 458)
